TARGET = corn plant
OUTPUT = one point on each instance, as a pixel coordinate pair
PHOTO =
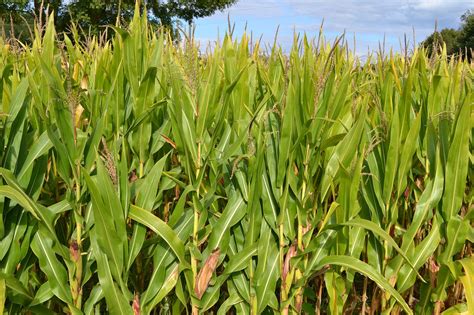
(139, 176)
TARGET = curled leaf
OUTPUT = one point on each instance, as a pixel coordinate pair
(286, 266)
(136, 304)
(77, 115)
(205, 274)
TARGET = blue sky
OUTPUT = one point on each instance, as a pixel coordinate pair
(368, 20)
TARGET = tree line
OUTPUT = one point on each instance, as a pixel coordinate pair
(458, 41)
(92, 15)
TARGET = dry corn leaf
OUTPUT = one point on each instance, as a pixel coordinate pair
(206, 272)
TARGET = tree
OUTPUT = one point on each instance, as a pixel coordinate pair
(12, 19)
(104, 12)
(17, 17)
(187, 10)
(465, 39)
(94, 14)
(447, 36)
(457, 41)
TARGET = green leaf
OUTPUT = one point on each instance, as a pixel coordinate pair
(163, 255)
(421, 254)
(43, 294)
(161, 228)
(267, 271)
(457, 163)
(41, 213)
(190, 140)
(408, 149)
(146, 194)
(286, 136)
(108, 239)
(17, 102)
(57, 276)
(468, 282)
(240, 260)
(95, 296)
(392, 160)
(227, 305)
(168, 285)
(343, 153)
(16, 286)
(232, 214)
(41, 146)
(456, 235)
(335, 286)
(374, 228)
(117, 303)
(368, 271)
(458, 309)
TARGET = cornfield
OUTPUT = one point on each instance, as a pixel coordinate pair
(143, 177)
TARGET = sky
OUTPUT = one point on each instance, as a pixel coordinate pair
(368, 20)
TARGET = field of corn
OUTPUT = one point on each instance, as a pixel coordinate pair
(142, 177)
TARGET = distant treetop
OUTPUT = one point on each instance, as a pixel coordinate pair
(93, 14)
(457, 41)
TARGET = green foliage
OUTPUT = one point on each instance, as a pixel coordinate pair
(94, 15)
(466, 34)
(447, 36)
(187, 10)
(138, 177)
(456, 41)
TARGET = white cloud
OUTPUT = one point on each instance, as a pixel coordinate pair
(429, 4)
(369, 20)
(391, 17)
(255, 8)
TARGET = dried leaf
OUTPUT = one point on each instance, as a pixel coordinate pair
(136, 304)
(286, 266)
(206, 272)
